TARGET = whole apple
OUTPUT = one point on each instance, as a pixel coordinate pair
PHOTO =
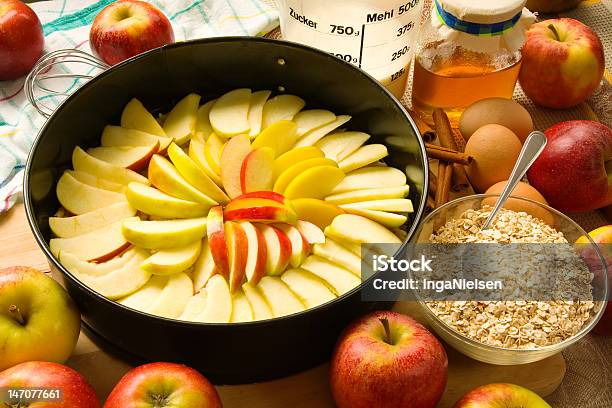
(387, 359)
(38, 320)
(21, 39)
(563, 63)
(501, 395)
(572, 172)
(127, 28)
(75, 391)
(160, 385)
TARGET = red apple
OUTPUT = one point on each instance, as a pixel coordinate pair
(216, 239)
(21, 39)
(501, 395)
(573, 171)
(75, 391)
(127, 28)
(387, 359)
(163, 385)
(563, 63)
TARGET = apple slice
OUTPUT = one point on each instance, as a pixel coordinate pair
(355, 228)
(287, 176)
(144, 297)
(255, 267)
(204, 267)
(81, 161)
(203, 128)
(278, 248)
(365, 155)
(338, 279)
(173, 299)
(400, 205)
(311, 119)
(96, 181)
(258, 100)
(281, 107)
(280, 137)
(216, 239)
(164, 234)
(218, 301)
(261, 309)
(257, 171)
(294, 156)
(115, 136)
(236, 149)
(388, 219)
(166, 177)
(229, 116)
(312, 233)
(238, 251)
(180, 122)
(310, 289)
(195, 307)
(136, 116)
(194, 174)
(338, 254)
(68, 227)
(317, 182)
(75, 265)
(259, 210)
(129, 157)
(353, 247)
(80, 198)
(172, 261)
(151, 201)
(312, 137)
(320, 213)
(213, 148)
(281, 299)
(337, 146)
(371, 177)
(267, 195)
(196, 152)
(300, 248)
(368, 195)
(241, 308)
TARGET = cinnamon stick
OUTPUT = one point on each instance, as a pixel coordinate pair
(433, 183)
(444, 132)
(445, 174)
(427, 133)
(447, 155)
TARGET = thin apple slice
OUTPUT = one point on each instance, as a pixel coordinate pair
(267, 195)
(300, 248)
(399, 205)
(311, 119)
(76, 265)
(312, 137)
(136, 116)
(281, 107)
(172, 261)
(294, 156)
(166, 177)
(115, 136)
(229, 116)
(218, 301)
(338, 279)
(368, 195)
(353, 247)
(152, 201)
(195, 307)
(317, 182)
(217, 241)
(365, 155)
(96, 181)
(204, 268)
(80, 198)
(144, 297)
(280, 137)
(241, 308)
(173, 299)
(355, 228)
(257, 171)
(371, 177)
(271, 211)
(278, 248)
(195, 175)
(236, 149)
(281, 299)
(258, 100)
(164, 234)
(312, 233)
(180, 122)
(310, 289)
(81, 161)
(319, 212)
(338, 254)
(255, 267)
(203, 128)
(129, 157)
(287, 176)
(388, 219)
(261, 308)
(68, 227)
(238, 250)
(213, 148)
(337, 146)
(196, 152)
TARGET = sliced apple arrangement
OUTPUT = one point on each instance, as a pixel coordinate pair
(251, 208)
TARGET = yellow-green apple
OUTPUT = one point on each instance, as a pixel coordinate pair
(300, 248)
(280, 137)
(258, 99)
(257, 171)
(311, 291)
(127, 28)
(164, 234)
(259, 210)
(216, 239)
(115, 136)
(281, 299)
(312, 233)
(261, 309)
(338, 279)
(181, 120)
(154, 202)
(129, 157)
(562, 64)
(293, 156)
(312, 137)
(321, 213)
(387, 359)
(255, 267)
(308, 120)
(241, 308)
(291, 172)
(551, 6)
(339, 146)
(136, 116)
(338, 254)
(371, 177)
(173, 260)
(218, 301)
(281, 107)
(238, 252)
(278, 249)
(68, 227)
(234, 152)
(501, 395)
(80, 198)
(21, 41)
(76, 391)
(163, 385)
(229, 116)
(363, 156)
(38, 320)
(573, 171)
(85, 163)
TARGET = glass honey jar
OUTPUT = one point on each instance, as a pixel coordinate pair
(468, 50)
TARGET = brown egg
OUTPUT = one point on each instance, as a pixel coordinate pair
(499, 111)
(522, 190)
(495, 150)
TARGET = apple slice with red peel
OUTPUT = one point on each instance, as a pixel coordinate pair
(300, 248)
(312, 233)
(236, 149)
(129, 157)
(278, 249)
(255, 267)
(281, 107)
(268, 195)
(257, 171)
(229, 116)
(204, 268)
(181, 120)
(81, 161)
(115, 136)
(74, 264)
(216, 238)
(238, 250)
(136, 116)
(261, 213)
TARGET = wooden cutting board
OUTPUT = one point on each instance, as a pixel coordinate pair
(307, 389)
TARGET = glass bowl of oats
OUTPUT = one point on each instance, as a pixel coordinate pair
(543, 291)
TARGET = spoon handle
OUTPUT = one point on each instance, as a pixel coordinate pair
(532, 148)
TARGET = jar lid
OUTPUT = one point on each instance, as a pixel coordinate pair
(482, 11)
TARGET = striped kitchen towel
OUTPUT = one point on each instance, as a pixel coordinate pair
(66, 24)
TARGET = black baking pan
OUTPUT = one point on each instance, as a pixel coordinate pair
(226, 353)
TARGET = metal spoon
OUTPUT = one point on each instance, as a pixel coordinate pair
(532, 148)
